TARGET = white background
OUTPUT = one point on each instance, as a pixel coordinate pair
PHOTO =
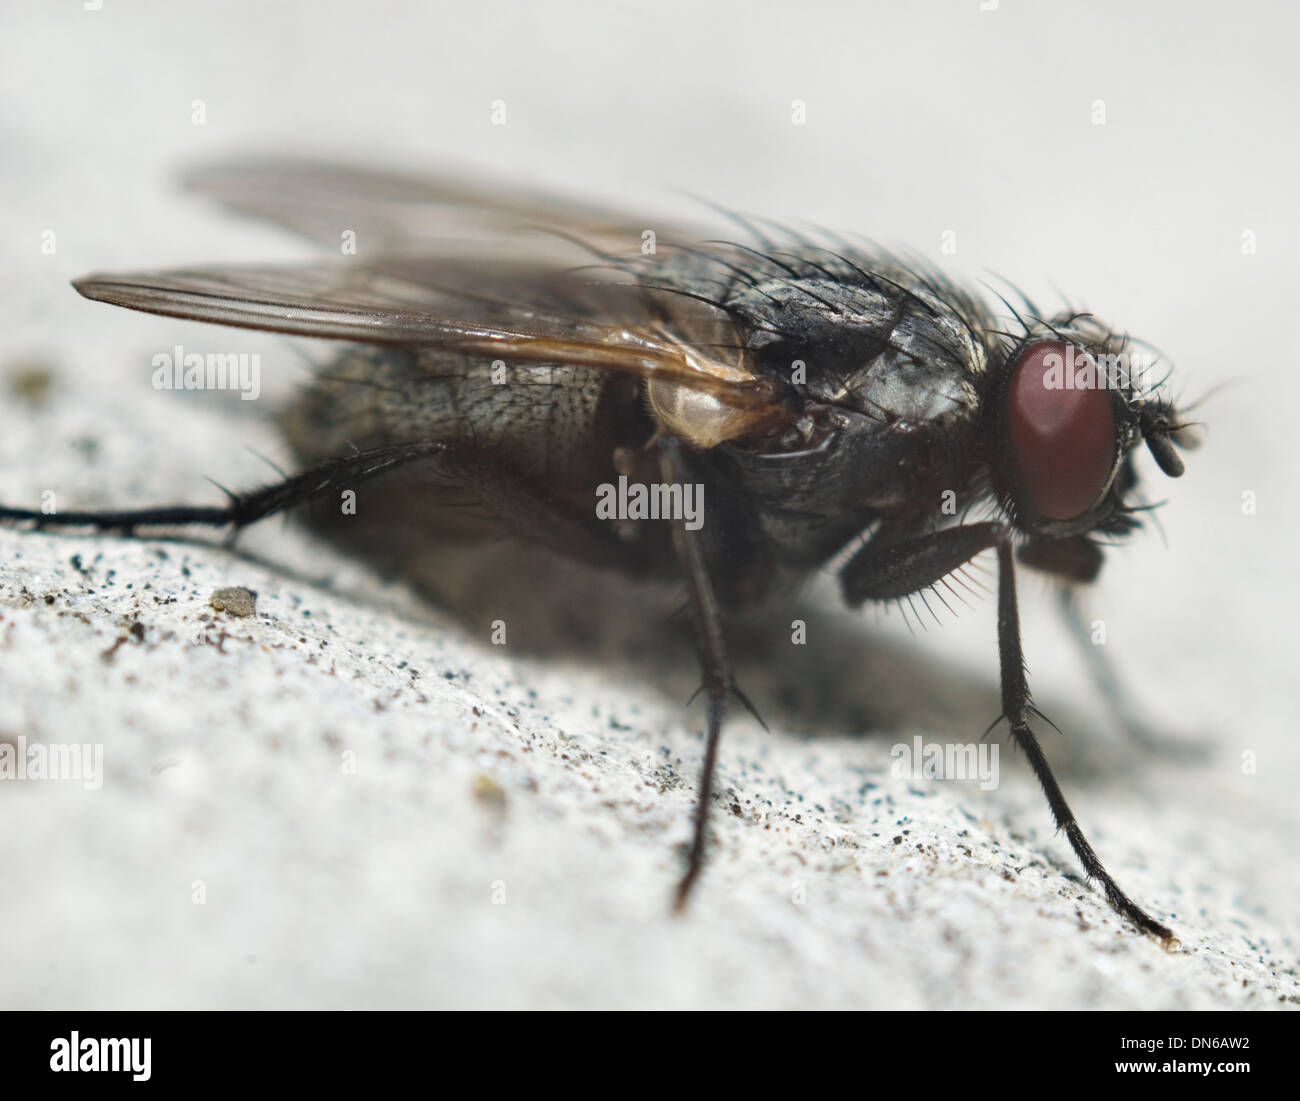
(223, 754)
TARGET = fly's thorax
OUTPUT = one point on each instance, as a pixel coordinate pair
(809, 501)
(884, 427)
(871, 336)
(935, 393)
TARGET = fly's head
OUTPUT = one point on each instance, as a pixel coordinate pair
(1072, 402)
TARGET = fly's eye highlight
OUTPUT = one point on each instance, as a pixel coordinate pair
(1061, 427)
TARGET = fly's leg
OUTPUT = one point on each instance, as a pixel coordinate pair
(1111, 686)
(718, 683)
(1078, 561)
(1103, 674)
(899, 569)
(1016, 709)
(527, 508)
(241, 509)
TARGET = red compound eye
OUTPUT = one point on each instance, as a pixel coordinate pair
(1062, 428)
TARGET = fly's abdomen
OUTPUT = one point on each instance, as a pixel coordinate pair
(546, 422)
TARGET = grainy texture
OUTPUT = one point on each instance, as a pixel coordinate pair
(353, 799)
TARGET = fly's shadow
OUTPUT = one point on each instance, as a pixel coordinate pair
(809, 669)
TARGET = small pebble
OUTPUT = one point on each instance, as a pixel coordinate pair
(240, 602)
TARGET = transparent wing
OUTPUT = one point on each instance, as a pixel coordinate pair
(482, 270)
(394, 213)
(519, 315)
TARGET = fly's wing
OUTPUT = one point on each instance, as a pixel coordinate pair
(392, 213)
(419, 286)
(523, 315)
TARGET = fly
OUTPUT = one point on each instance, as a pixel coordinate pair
(805, 394)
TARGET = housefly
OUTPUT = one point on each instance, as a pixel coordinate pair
(805, 394)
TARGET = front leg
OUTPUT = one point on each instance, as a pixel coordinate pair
(899, 569)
